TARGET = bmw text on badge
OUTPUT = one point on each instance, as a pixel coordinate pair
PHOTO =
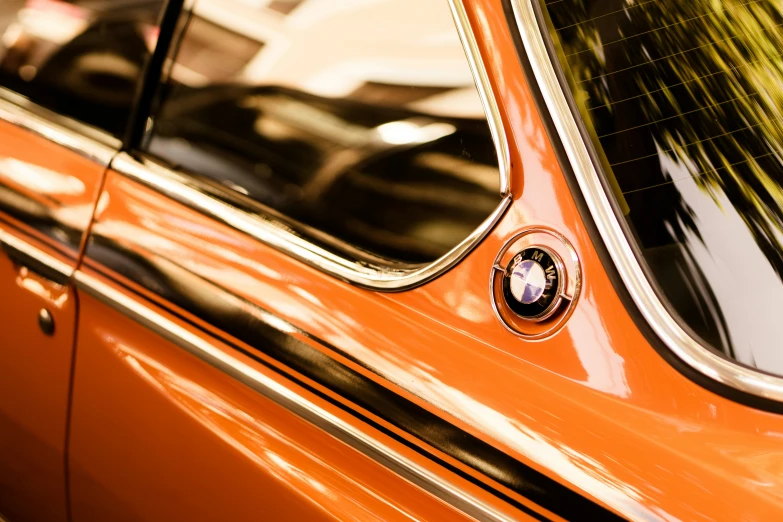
(532, 283)
(535, 282)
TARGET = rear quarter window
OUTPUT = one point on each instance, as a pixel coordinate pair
(683, 102)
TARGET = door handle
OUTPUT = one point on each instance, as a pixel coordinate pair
(22, 254)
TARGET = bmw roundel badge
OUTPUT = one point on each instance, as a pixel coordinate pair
(532, 283)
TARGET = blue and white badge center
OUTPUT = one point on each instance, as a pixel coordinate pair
(528, 281)
(532, 283)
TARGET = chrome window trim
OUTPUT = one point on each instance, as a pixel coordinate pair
(87, 141)
(484, 88)
(288, 398)
(277, 234)
(699, 357)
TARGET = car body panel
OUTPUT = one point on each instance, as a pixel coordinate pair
(161, 435)
(34, 383)
(47, 194)
(135, 236)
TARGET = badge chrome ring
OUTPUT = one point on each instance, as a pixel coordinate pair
(569, 287)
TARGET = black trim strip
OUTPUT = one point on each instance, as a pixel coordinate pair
(153, 70)
(255, 327)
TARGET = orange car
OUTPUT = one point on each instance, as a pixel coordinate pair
(391, 260)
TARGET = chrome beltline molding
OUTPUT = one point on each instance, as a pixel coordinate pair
(278, 235)
(91, 143)
(293, 401)
(688, 349)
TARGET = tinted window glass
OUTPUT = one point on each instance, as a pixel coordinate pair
(684, 101)
(82, 59)
(353, 118)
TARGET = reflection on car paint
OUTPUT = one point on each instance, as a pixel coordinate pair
(193, 276)
(273, 451)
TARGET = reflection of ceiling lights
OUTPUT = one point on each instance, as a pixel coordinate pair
(280, 6)
(485, 176)
(255, 3)
(52, 25)
(406, 132)
(40, 180)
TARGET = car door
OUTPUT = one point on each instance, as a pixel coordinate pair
(46, 196)
(67, 83)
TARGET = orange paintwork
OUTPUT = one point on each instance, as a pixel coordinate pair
(35, 370)
(159, 435)
(43, 181)
(594, 406)
(35, 373)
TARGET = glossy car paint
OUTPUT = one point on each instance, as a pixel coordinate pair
(159, 435)
(46, 202)
(33, 394)
(48, 189)
(595, 407)
(123, 248)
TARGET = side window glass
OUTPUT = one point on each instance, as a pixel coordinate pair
(357, 121)
(81, 58)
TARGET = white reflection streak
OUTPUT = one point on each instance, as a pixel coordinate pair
(166, 248)
(573, 466)
(467, 305)
(271, 462)
(74, 216)
(407, 132)
(40, 180)
(282, 470)
(605, 368)
(58, 26)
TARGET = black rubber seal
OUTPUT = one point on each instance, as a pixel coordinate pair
(153, 70)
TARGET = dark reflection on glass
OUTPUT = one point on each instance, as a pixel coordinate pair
(82, 59)
(686, 102)
(350, 119)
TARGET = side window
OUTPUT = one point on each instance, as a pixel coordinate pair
(356, 121)
(81, 58)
